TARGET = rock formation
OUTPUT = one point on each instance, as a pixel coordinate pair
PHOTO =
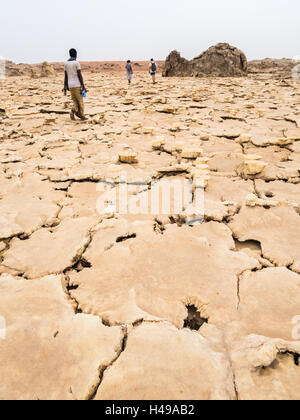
(32, 70)
(222, 60)
(279, 68)
(47, 70)
(12, 69)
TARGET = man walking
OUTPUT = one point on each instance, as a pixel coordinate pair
(129, 71)
(152, 70)
(75, 84)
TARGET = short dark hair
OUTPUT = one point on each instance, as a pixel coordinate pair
(128, 61)
(152, 59)
(73, 53)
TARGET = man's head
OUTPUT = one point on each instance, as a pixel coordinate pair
(128, 61)
(152, 59)
(73, 53)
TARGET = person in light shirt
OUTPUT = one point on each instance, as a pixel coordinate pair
(75, 84)
(129, 71)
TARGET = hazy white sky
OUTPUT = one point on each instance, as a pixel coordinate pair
(35, 30)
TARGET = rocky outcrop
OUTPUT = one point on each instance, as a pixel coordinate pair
(176, 65)
(221, 60)
(47, 70)
(32, 70)
(281, 68)
(12, 69)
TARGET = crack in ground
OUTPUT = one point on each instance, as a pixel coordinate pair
(67, 288)
(238, 292)
(235, 387)
(227, 352)
(126, 238)
(256, 190)
(102, 369)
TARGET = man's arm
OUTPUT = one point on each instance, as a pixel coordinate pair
(81, 80)
(66, 84)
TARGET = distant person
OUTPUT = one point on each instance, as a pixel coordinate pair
(75, 84)
(129, 71)
(153, 70)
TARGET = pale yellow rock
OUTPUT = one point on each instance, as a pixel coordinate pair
(128, 157)
(148, 130)
(202, 167)
(179, 146)
(99, 119)
(160, 101)
(201, 176)
(261, 112)
(50, 353)
(254, 167)
(251, 200)
(202, 161)
(49, 121)
(167, 110)
(169, 148)
(191, 153)
(128, 101)
(158, 143)
(201, 181)
(137, 125)
(175, 128)
(281, 142)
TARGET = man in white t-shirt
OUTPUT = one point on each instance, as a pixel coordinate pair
(74, 83)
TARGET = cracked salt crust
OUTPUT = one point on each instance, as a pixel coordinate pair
(141, 272)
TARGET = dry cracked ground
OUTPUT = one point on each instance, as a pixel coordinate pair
(147, 306)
